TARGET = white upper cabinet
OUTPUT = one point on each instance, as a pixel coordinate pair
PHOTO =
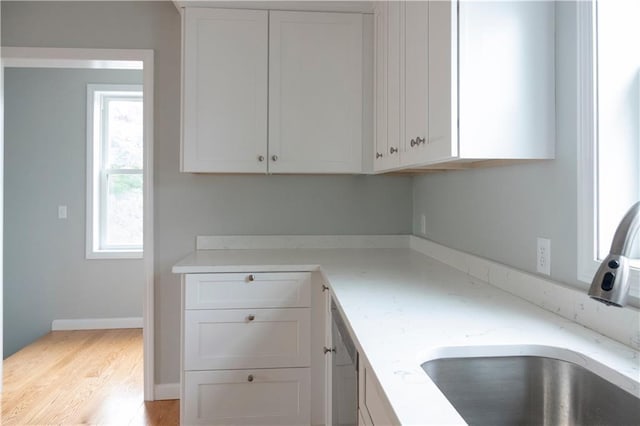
(476, 79)
(224, 89)
(302, 70)
(315, 92)
(507, 89)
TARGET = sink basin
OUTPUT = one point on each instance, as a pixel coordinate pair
(533, 390)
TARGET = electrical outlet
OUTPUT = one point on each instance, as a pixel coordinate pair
(543, 259)
(423, 224)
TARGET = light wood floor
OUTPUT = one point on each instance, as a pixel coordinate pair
(81, 377)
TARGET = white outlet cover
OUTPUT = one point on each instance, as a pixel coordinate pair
(62, 212)
(543, 256)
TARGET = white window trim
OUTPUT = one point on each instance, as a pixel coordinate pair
(587, 157)
(95, 180)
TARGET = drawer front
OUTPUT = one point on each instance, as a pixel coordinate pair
(259, 290)
(247, 338)
(247, 397)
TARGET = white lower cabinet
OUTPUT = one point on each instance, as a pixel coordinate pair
(246, 349)
(373, 407)
(247, 397)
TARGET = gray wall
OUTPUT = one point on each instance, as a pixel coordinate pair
(47, 276)
(187, 205)
(498, 213)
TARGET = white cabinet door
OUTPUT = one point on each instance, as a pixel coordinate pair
(224, 111)
(315, 92)
(254, 290)
(247, 397)
(388, 85)
(442, 142)
(247, 338)
(416, 72)
(372, 399)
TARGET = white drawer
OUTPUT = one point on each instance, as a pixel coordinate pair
(247, 397)
(259, 290)
(247, 338)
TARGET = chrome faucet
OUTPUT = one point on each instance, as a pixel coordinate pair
(610, 284)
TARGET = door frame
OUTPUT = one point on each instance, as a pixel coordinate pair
(35, 57)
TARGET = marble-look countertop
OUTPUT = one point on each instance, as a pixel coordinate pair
(405, 308)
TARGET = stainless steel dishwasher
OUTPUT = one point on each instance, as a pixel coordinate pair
(344, 372)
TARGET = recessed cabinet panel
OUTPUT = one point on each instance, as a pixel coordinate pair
(224, 90)
(251, 290)
(248, 397)
(315, 92)
(247, 338)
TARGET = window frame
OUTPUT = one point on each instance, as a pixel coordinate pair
(97, 172)
(587, 148)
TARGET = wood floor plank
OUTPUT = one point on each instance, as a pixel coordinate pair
(81, 377)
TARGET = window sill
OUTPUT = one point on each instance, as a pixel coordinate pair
(114, 254)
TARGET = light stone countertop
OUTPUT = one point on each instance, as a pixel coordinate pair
(405, 308)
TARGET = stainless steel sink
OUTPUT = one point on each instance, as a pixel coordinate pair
(531, 390)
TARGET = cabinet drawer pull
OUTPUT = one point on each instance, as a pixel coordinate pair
(392, 150)
(378, 155)
(261, 158)
(251, 317)
(274, 158)
(250, 378)
(413, 143)
(251, 277)
(419, 140)
(327, 350)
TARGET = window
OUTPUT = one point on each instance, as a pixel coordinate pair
(114, 171)
(608, 130)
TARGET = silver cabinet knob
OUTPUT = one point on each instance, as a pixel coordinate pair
(378, 155)
(419, 140)
(413, 143)
(392, 150)
(250, 378)
(261, 158)
(274, 157)
(251, 318)
(327, 350)
(251, 277)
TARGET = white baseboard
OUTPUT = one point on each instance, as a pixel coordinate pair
(95, 323)
(167, 391)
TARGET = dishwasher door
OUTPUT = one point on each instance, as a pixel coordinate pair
(344, 373)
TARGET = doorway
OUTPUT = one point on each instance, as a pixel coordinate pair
(104, 59)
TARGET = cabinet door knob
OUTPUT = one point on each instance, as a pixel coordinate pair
(251, 277)
(378, 155)
(392, 150)
(274, 157)
(261, 158)
(419, 140)
(251, 317)
(250, 378)
(327, 350)
(413, 143)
